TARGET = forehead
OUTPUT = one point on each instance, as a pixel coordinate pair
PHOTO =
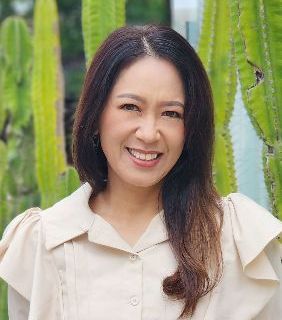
(149, 74)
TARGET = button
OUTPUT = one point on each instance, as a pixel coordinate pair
(134, 300)
(133, 257)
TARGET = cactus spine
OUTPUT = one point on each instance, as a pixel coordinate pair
(215, 50)
(47, 100)
(99, 18)
(257, 36)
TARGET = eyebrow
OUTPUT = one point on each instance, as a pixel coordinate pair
(138, 98)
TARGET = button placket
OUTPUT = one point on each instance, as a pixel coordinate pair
(133, 257)
(133, 285)
(134, 301)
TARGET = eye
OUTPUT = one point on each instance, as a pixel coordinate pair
(173, 114)
(129, 107)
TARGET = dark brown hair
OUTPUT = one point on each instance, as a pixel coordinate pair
(192, 209)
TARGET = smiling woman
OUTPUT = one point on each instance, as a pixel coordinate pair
(146, 236)
(141, 128)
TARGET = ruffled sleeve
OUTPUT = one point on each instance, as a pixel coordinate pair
(255, 233)
(27, 266)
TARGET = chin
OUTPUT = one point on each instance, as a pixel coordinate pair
(143, 183)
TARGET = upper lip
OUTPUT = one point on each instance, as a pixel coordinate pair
(145, 151)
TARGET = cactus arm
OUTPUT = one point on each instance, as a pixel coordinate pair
(16, 52)
(215, 50)
(91, 11)
(120, 13)
(99, 18)
(46, 99)
(2, 106)
(257, 36)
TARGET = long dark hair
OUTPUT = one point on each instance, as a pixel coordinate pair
(192, 207)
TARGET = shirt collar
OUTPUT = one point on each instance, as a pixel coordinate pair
(103, 233)
(68, 218)
(72, 217)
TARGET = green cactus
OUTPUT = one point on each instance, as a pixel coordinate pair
(3, 301)
(47, 100)
(2, 107)
(15, 113)
(99, 18)
(257, 34)
(16, 53)
(215, 50)
(16, 48)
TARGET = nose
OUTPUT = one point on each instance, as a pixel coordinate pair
(148, 131)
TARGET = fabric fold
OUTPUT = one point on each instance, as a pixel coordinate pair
(255, 232)
(26, 266)
(17, 251)
(253, 229)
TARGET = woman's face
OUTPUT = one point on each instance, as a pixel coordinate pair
(142, 127)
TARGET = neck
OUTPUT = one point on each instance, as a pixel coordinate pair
(127, 202)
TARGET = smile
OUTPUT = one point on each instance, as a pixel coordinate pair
(143, 156)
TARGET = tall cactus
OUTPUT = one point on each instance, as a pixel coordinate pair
(16, 174)
(257, 34)
(47, 100)
(16, 48)
(215, 50)
(99, 18)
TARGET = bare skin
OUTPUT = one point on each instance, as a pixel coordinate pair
(117, 206)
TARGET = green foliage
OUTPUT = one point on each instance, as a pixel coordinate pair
(68, 182)
(99, 18)
(215, 50)
(257, 34)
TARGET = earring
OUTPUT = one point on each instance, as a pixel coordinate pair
(96, 141)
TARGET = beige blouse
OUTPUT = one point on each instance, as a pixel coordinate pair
(67, 262)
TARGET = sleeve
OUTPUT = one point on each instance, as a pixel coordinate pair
(18, 250)
(18, 306)
(273, 309)
(256, 232)
(28, 268)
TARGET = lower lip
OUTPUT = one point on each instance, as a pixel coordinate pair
(144, 163)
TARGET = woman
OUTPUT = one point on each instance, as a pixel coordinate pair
(146, 236)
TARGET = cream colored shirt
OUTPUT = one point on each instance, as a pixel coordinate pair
(67, 262)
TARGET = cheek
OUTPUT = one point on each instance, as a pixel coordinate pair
(177, 139)
(109, 126)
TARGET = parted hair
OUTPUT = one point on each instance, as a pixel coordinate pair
(192, 207)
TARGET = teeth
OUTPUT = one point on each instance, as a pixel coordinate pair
(143, 156)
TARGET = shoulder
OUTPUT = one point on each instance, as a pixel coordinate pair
(28, 267)
(253, 230)
(18, 249)
(250, 220)
(66, 219)
(251, 257)
(24, 226)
